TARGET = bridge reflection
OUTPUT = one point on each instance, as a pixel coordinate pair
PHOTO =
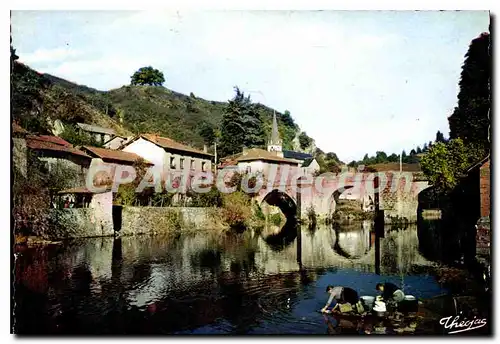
(163, 285)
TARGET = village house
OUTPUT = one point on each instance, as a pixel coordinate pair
(100, 134)
(476, 182)
(169, 155)
(58, 154)
(112, 158)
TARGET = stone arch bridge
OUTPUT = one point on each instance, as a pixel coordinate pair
(298, 193)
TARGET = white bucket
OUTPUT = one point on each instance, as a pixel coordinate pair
(379, 306)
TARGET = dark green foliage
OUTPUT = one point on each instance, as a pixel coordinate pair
(147, 76)
(393, 158)
(446, 162)
(212, 198)
(98, 99)
(241, 125)
(287, 119)
(440, 137)
(304, 140)
(27, 87)
(33, 192)
(78, 137)
(470, 120)
(328, 162)
(207, 132)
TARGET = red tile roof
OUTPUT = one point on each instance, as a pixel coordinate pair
(254, 154)
(168, 143)
(52, 139)
(113, 154)
(49, 143)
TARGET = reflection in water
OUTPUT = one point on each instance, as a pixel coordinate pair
(285, 236)
(351, 241)
(207, 282)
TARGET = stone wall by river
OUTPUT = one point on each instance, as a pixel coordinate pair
(159, 220)
(99, 221)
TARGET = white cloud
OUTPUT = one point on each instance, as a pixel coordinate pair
(355, 82)
(43, 55)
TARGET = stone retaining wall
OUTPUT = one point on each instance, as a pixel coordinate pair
(158, 220)
(77, 223)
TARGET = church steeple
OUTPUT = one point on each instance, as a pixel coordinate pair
(275, 142)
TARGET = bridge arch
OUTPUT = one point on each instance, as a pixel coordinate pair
(282, 200)
(333, 199)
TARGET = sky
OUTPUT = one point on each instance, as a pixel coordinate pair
(357, 82)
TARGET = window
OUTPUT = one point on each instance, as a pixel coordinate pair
(193, 166)
(172, 162)
(249, 169)
(182, 163)
(204, 166)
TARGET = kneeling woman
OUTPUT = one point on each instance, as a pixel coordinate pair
(341, 295)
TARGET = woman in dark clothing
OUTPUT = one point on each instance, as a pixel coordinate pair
(341, 295)
(388, 290)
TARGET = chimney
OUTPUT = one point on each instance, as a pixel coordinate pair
(205, 149)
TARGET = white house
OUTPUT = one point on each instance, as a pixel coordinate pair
(168, 154)
(259, 160)
(310, 166)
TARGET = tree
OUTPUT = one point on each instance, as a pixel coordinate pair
(304, 140)
(127, 195)
(404, 157)
(78, 137)
(332, 156)
(241, 125)
(419, 150)
(380, 157)
(287, 119)
(412, 159)
(393, 158)
(207, 132)
(445, 163)
(147, 76)
(440, 137)
(471, 119)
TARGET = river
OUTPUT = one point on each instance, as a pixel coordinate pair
(207, 283)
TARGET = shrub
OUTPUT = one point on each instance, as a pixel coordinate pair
(213, 198)
(236, 209)
(78, 137)
(275, 219)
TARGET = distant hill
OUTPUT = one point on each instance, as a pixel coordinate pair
(129, 109)
(39, 100)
